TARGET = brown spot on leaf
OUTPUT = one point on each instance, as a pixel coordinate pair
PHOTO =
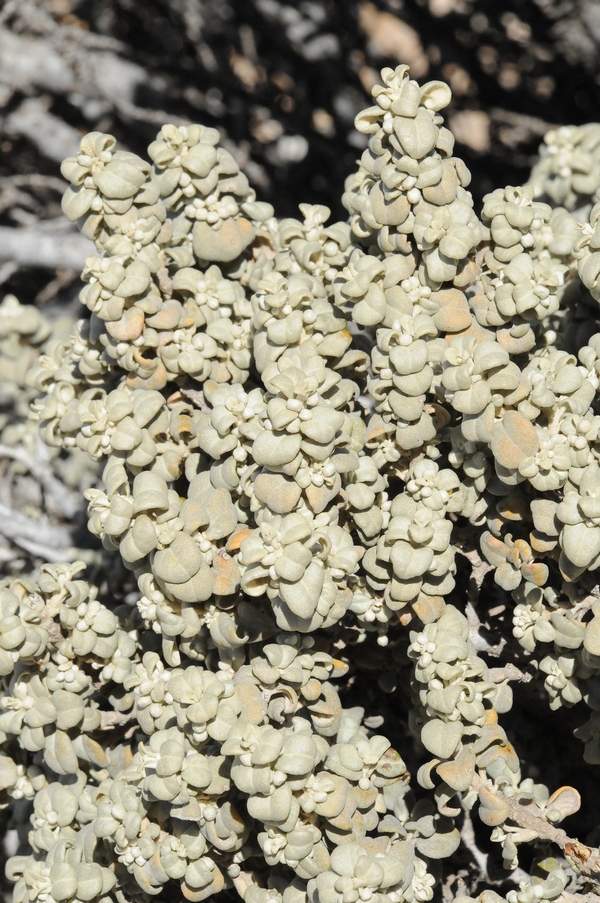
(513, 439)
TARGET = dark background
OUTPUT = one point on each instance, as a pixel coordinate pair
(282, 81)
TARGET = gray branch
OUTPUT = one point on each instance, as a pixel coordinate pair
(29, 247)
(65, 500)
(17, 527)
(26, 61)
(50, 135)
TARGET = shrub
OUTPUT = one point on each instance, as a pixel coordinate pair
(307, 432)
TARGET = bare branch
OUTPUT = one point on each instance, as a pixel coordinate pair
(110, 720)
(467, 835)
(50, 135)
(30, 247)
(584, 859)
(197, 398)
(6, 270)
(51, 542)
(579, 898)
(479, 568)
(65, 501)
(16, 526)
(26, 61)
(34, 180)
(526, 125)
(509, 672)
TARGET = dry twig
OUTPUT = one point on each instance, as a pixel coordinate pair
(65, 500)
(584, 859)
(30, 247)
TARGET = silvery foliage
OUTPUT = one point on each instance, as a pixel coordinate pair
(299, 426)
